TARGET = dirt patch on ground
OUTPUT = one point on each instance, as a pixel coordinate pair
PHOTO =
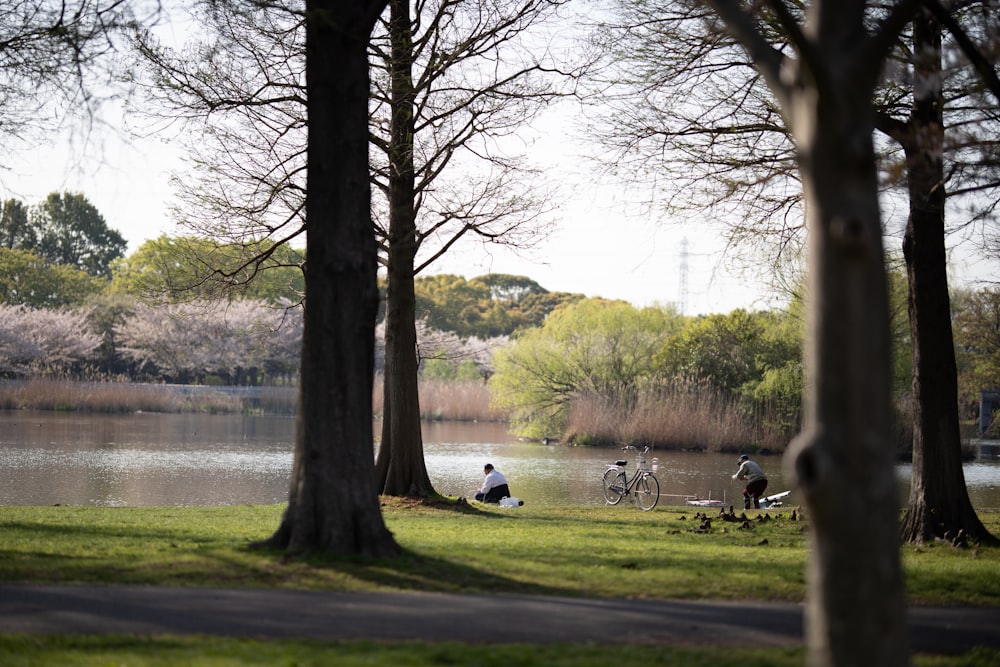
(458, 504)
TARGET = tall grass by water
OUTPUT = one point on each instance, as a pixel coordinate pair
(124, 397)
(687, 415)
(449, 400)
(694, 418)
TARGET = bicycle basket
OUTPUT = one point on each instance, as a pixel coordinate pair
(648, 466)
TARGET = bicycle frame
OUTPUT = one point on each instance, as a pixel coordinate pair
(643, 487)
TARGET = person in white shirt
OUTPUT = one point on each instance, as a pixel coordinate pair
(494, 486)
(756, 481)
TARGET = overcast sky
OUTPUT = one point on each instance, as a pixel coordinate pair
(597, 248)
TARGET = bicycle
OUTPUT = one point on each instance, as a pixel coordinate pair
(644, 488)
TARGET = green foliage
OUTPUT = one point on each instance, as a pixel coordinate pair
(64, 229)
(72, 232)
(592, 348)
(509, 289)
(899, 331)
(977, 336)
(108, 312)
(450, 303)
(611, 355)
(754, 356)
(26, 278)
(486, 306)
(779, 391)
(185, 268)
(729, 350)
(448, 370)
(532, 310)
(16, 231)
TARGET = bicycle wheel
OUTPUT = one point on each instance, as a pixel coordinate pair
(614, 486)
(647, 492)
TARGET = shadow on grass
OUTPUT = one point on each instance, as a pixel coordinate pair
(415, 571)
(132, 552)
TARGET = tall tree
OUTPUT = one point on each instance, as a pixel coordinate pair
(71, 231)
(728, 132)
(400, 469)
(333, 502)
(843, 460)
(439, 124)
(939, 504)
(445, 111)
(16, 232)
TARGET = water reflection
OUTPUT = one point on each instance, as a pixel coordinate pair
(143, 459)
(187, 459)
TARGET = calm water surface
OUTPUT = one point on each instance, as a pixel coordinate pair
(188, 459)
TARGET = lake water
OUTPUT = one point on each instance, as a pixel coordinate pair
(193, 459)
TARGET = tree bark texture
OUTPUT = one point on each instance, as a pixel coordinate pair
(333, 503)
(400, 467)
(939, 504)
(844, 459)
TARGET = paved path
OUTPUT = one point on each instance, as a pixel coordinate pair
(147, 610)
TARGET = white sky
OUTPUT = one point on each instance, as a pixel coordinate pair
(596, 249)
(600, 247)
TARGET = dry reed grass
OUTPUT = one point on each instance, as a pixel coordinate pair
(449, 400)
(113, 397)
(688, 416)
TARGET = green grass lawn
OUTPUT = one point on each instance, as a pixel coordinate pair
(574, 551)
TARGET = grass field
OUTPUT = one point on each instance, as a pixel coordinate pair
(574, 551)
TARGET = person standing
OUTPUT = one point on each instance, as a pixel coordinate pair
(494, 486)
(756, 481)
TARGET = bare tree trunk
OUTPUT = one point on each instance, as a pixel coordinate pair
(844, 459)
(333, 503)
(939, 504)
(400, 468)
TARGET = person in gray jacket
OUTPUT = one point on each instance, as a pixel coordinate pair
(756, 481)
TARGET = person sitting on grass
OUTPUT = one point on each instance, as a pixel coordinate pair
(494, 486)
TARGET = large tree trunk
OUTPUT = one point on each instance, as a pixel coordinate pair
(939, 504)
(333, 503)
(400, 468)
(844, 459)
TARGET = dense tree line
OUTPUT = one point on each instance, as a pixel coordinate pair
(64, 229)
(153, 320)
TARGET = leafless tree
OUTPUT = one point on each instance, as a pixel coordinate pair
(939, 504)
(58, 62)
(454, 80)
(702, 105)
